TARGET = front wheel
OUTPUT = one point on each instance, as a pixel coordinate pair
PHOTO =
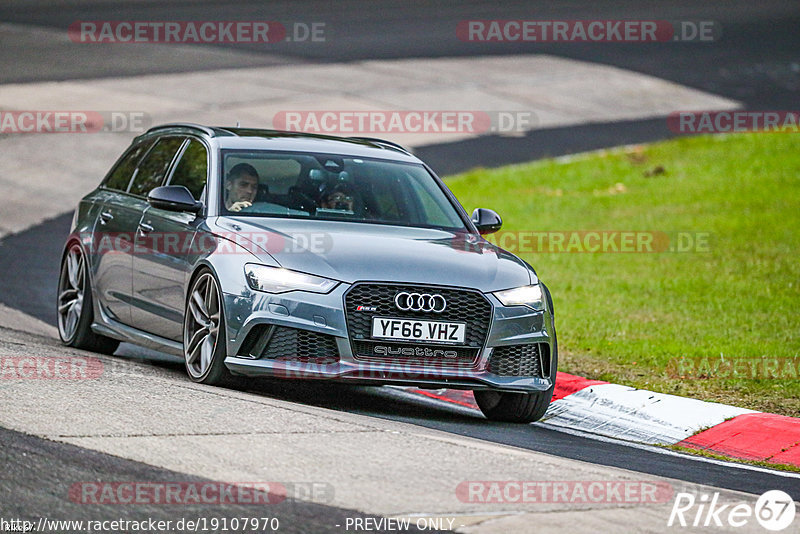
(74, 306)
(513, 407)
(519, 407)
(204, 332)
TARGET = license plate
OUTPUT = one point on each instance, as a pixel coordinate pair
(418, 330)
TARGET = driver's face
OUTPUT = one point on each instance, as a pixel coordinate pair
(242, 189)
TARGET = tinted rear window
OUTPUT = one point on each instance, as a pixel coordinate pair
(120, 176)
(155, 165)
(192, 170)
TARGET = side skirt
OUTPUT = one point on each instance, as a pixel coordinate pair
(111, 328)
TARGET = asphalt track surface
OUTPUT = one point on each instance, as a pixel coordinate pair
(34, 471)
(756, 62)
(386, 403)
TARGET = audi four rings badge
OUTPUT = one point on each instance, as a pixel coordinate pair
(420, 302)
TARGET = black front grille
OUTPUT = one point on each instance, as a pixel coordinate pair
(290, 344)
(444, 356)
(463, 305)
(517, 360)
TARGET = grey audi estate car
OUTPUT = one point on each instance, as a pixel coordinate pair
(297, 256)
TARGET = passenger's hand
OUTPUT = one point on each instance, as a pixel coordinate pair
(238, 206)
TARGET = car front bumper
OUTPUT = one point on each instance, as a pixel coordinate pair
(510, 326)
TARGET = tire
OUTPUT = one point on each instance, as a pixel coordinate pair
(74, 310)
(508, 407)
(204, 351)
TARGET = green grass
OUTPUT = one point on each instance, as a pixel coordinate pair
(623, 317)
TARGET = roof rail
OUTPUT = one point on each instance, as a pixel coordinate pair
(377, 141)
(205, 129)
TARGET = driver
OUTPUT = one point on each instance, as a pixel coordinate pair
(241, 187)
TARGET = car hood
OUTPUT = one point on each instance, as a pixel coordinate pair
(351, 252)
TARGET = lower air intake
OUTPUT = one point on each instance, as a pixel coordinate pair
(518, 360)
(289, 345)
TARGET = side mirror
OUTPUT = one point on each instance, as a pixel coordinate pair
(173, 198)
(486, 221)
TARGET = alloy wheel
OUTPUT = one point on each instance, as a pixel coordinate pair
(70, 293)
(201, 327)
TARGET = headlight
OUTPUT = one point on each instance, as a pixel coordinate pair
(531, 296)
(278, 280)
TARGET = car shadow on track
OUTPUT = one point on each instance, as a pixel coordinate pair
(377, 401)
(385, 402)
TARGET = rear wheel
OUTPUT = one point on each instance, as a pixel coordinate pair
(75, 312)
(203, 332)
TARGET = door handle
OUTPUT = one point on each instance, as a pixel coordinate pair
(145, 228)
(106, 216)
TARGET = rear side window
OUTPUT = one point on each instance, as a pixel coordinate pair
(120, 176)
(192, 169)
(155, 165)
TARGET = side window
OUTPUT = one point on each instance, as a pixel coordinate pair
(120, 176)
(192, 169)
(155, 165)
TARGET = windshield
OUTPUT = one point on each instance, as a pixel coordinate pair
(332, 187)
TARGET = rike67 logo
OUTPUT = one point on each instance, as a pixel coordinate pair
(774, 510)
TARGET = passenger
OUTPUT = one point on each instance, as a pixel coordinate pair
(338, 197)
(241, 187)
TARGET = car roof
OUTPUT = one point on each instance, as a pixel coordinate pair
(264, 139)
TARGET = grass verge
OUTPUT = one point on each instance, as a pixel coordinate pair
(692, 322)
